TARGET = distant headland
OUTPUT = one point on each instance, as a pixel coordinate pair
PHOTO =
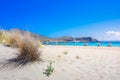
(61, 39)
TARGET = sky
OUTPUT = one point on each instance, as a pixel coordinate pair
(56, 18)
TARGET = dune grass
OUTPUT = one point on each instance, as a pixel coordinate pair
(0, 36)
(65, 52)
(28, 47)
(4, 38)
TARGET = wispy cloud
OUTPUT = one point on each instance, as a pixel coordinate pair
(113, 35)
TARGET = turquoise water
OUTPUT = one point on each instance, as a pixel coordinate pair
(113, 44)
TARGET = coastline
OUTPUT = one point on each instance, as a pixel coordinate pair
(81, 46)
(98, 44)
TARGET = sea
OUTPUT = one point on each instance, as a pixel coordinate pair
(102, 43)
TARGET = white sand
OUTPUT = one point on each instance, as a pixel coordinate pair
(93, 63)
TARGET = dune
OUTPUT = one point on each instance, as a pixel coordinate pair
(69, 63)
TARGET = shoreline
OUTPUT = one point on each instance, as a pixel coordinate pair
(82, 46)
(98, 44)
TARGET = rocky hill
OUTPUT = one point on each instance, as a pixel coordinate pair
(79, 39)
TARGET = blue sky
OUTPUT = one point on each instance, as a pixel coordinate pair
(56, 18)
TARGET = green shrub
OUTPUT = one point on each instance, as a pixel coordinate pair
(49, 69)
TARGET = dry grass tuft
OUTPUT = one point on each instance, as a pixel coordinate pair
(29, 49)
(15, 39)
(4, 38)
(0, 36)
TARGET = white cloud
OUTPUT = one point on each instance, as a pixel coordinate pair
(117, 34)
(113, 35)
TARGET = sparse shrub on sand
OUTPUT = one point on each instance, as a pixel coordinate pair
(65, 52)
(49, 70)
(28, 47)
(77, 57)
(59, 56)
(29, 51)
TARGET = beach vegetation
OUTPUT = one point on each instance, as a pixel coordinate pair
(0, 36)
(4, 38)
(28, 47)
(49, 70)
(65, 52)
(59, 56)
(77, 57)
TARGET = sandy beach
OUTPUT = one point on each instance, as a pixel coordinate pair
(80, 63)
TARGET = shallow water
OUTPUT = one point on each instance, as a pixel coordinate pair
(109, 44)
